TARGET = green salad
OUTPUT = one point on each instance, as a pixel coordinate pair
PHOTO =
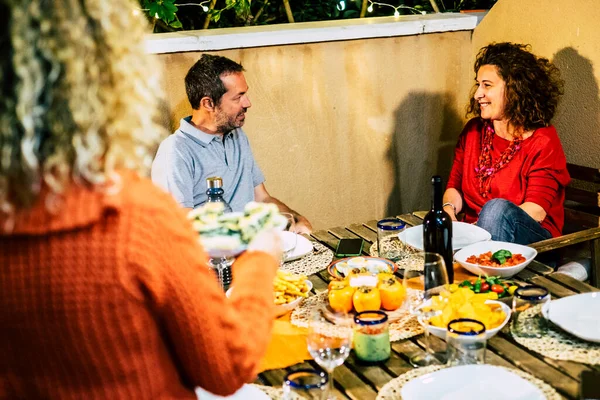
(229, 231)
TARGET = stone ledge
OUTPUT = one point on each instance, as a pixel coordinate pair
(308, 32)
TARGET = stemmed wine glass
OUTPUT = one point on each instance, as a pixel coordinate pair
(329, 344)
(425, 282)
(289, 239)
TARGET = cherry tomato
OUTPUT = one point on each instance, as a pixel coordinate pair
(498, 289)
(485, 287)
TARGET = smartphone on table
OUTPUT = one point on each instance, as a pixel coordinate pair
(349, 248)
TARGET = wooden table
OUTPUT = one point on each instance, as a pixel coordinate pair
(354, 381)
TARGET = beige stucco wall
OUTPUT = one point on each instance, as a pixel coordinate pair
(349, 131)
(566, 32)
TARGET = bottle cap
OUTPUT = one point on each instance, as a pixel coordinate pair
(214, 182)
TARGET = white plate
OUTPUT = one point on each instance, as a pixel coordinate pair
(578, 315)
(463, 234)
(246, 392)
(441, 332)
(493, 246)
(303, 245)
(471, 382)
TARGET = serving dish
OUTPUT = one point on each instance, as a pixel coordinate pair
(463, 234)
(493, 246)
(339, 269)
(441, 332)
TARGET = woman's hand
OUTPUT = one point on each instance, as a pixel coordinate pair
(453, 202)
(269, 242)
(534, 210)
(450, 210)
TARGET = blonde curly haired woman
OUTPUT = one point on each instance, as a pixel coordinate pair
(104, 291)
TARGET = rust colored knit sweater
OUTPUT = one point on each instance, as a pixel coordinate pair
(111, 299)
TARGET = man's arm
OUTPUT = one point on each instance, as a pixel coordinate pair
(261, 195)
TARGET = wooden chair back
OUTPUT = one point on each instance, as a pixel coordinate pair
(582, 199)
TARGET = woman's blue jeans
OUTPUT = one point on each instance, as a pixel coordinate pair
(509, 223)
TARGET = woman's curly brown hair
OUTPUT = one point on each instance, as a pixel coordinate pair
(533, 84)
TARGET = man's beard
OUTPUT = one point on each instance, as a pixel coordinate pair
(226, 123)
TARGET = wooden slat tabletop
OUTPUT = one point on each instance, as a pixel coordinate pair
(356, 381)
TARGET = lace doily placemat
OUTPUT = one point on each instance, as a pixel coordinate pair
(556, 343)
(403, 328)
(276, 393)
(411, 262)
(391, 390)
(312, 263)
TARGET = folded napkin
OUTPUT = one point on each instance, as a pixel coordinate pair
(287, 346)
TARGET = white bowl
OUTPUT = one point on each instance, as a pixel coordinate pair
(483, 247)
(441, 332)
(283, 308)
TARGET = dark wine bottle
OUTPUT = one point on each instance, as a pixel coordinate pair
(437, 229)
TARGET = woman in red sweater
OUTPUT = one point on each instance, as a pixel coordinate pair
(510, 171)
(104, 290)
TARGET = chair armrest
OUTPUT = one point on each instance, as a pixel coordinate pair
(567, 240)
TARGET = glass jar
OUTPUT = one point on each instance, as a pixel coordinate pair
(305, 384)
(466, 341)
(371, 337)
(388, 244)
(527, 319)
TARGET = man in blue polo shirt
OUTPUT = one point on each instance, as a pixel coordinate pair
(211, 142)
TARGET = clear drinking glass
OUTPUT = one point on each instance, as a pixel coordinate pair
(422, 283)
(527, 319)
(289, 239)
(466, 342)
(388, 244)
(329, 344)
(305, 384)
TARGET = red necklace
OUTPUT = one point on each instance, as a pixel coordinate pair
(484, 170)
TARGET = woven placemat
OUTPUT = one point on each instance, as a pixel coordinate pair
(555, 343)
(405, 327)
(312, 263)
(276, 393)
(391, 390)
(412, 261)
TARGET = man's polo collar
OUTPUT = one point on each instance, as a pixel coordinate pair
(186, 126)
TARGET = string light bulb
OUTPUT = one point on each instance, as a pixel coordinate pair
(341, 5)
(396, 8)
(204, 8)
